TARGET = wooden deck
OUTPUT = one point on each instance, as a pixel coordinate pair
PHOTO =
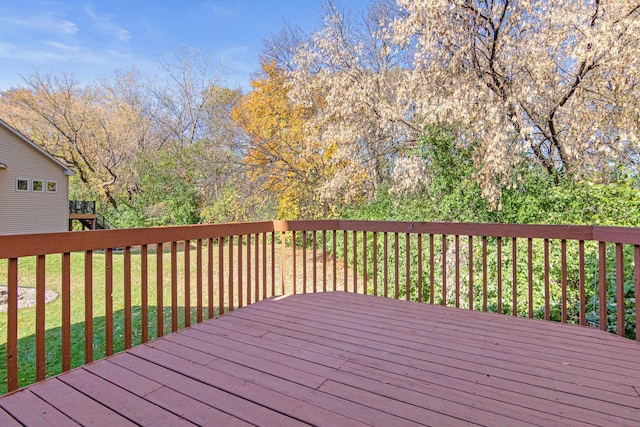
(340, 359)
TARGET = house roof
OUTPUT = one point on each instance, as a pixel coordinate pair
(67, 170)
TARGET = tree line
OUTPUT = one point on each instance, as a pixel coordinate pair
(463, 110)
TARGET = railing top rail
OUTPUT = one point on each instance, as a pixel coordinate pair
(21, 245)
(14, 246)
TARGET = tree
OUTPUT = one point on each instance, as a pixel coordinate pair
(91, 128)
(279, 152)
(554, 82)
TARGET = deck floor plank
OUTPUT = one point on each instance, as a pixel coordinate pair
(345, 359)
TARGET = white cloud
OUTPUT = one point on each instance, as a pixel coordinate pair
(44, 22)
(222, 10)
(106, 25)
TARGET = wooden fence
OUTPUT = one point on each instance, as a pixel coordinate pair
(576, 274)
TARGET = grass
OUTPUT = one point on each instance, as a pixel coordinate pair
(53, 334)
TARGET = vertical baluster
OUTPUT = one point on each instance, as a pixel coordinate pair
(240, 284)
(304, 262)
(355, 261)
(174, 286)
(563, 279)
(583, 298)
(127, 297)
(199, 273)
(283, 267)
(231, 294)
(456, 244)
(249, 284)
(12, 324)
(273, 263)
(315, 270)
(470, 273)
(364, 262)
(636, 286)
(256, 264)
(108, 301)
(547, 314)
(375, 263)
(530, 274)
(396, 265)
(324, 260)
(294, 269)
(499, 256)
(346, 261)
(159, 291)
(620, 300)
(444, 269)
(484, 273)
(386, 264)
(144, 291)
(419, 267)
(514, 276)
(264, 266)
(407, 266)
(432, 272)
(88, 306)
(40, 318)
(210, 303)
(335, 256)
(220, 276)
(66, 311)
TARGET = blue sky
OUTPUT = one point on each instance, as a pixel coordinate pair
(94, 38)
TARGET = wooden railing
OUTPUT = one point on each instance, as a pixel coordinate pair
(119, 288)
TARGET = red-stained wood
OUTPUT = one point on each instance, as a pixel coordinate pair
(294, 268)
(386, 265)
(40, 318)
(210, 279)
(249, 275)
(187, 283)
(407, 266)
(419, 267)
(283, 262)
(324, 261)
(341, 358)
(273, 264)
(345, 245)
(365, 268)
(66, 312)
(144, 291)
(396, 265)
(620, 308)
(264, 265)
(221, 309)
(231, 293)
(304, 262)
(636, 285)
(602, 284)
(159, 290)
(514, 277)
(355, 261)
(432, 273)
(128, 331)
(581, 284)
(484, 273)
(547, 313)
(7, 420)
(334, 262)
(199, 281)
(563, 280)
(499, 270)
(174, 286)
(88, 306)
(530, 276)
(444, 269)
(108, 301)
(12, 325)
(239, 269)
(256, 257)
(456, 245)
(470, 252)
(315, 262)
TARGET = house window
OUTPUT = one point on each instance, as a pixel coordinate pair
(37, 185)
(22, 184)
(52, 187)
